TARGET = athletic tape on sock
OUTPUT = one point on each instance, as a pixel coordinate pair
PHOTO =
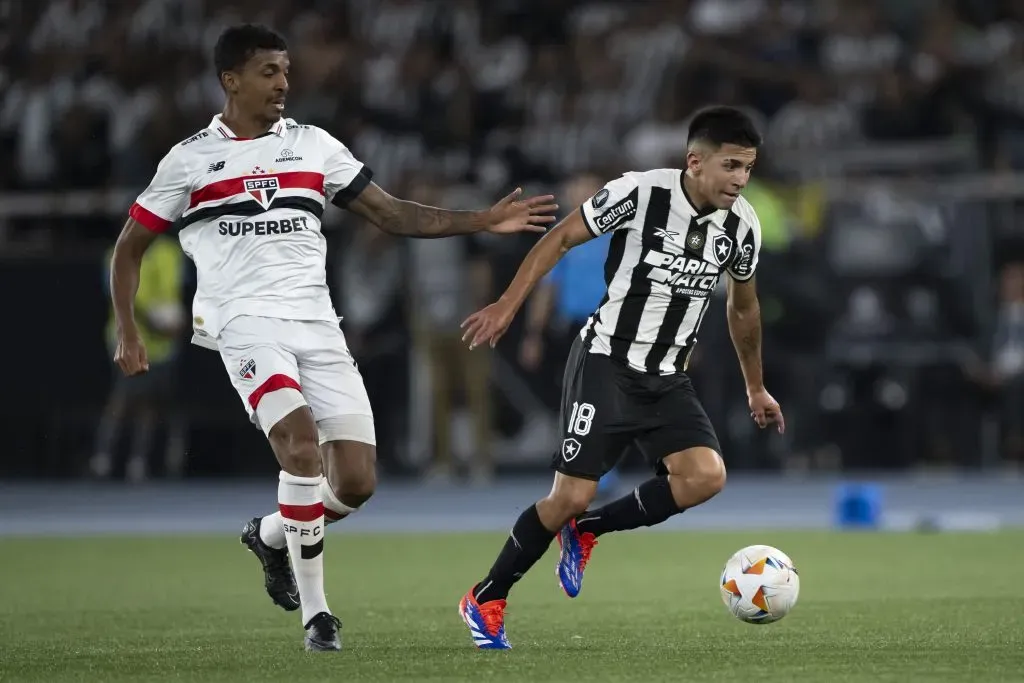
(334, 509)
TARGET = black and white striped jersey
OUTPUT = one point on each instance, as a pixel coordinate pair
(663, 265)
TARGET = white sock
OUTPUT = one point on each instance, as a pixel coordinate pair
(272, 530)
(302, 513)
(272, 526)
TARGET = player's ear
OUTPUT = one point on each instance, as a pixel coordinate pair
(229, 81)
(693, 161)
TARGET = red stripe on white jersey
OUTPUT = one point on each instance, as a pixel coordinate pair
(302, 513)
(229, 187)
(272, 383)
(148, 219)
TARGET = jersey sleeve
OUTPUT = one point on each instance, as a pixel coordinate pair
(613, 208)
(344, 175)
(744, 263)
(166, 197)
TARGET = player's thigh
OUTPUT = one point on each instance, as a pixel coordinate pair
(334, 388)
(686, 427)
(261, 369)
(592, 433)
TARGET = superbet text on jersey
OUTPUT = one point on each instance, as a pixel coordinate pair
(249, 212)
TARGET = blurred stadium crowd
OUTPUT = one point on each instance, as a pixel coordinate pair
(889, 192)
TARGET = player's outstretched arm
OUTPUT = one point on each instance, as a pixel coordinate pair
(489, 324)
(125, 268)
(744, 315)
(409, 219)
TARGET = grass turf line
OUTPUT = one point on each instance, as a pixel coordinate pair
(873, 607)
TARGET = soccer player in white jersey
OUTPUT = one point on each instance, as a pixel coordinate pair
(674, 233)
(248, 193)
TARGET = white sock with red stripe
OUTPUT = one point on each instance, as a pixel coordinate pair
(302, 514)
(272, 526)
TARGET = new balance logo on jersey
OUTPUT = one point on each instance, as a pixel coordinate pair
(214, 167)
(616, 215)
(687, 276)
(260, 228)
(262, 189)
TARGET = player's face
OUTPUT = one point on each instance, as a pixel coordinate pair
(722, 174)
(262, 85)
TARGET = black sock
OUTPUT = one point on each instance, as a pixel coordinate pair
(649, 504)
(525, 545)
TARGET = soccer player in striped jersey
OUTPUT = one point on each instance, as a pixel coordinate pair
(247, 194)
(675, 232)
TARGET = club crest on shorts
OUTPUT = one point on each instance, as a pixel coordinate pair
(723, 248)
(570, 449)
(247, 368)
(262, 189)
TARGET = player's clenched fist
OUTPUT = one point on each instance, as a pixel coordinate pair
(130, 355)
(766, 410)
(488, 325)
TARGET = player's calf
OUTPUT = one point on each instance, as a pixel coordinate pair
(694, 476)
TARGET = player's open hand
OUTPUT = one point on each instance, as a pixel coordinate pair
(766, 410)
(130, 355)
(512, 214)
(488, 325)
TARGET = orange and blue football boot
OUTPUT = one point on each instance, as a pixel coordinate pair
(486, 622)
(576, 549)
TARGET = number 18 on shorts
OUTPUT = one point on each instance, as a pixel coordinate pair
(590, 444)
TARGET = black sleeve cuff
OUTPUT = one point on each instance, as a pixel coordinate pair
(345, 195)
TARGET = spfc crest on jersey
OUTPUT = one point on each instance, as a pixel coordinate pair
(262, 189)
(247, 368)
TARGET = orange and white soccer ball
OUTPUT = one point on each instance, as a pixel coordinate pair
(760, 584)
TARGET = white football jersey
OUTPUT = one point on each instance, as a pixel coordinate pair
(249, 211)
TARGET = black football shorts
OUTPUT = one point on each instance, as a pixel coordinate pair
(606, 407)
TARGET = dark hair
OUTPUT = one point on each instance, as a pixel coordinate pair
(722, 125)
(237, 44)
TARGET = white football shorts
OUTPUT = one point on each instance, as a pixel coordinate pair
(277, 366)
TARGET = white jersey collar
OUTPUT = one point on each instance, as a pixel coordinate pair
(218, 126)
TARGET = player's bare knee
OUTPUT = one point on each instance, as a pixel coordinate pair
(712, 479)
(351, 469)
(571, 496)
(695, 475)
(294, 440)
(355, 489)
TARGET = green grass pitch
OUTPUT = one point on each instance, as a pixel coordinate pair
(873, 607)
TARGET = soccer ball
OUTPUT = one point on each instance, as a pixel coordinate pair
(760, 584)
